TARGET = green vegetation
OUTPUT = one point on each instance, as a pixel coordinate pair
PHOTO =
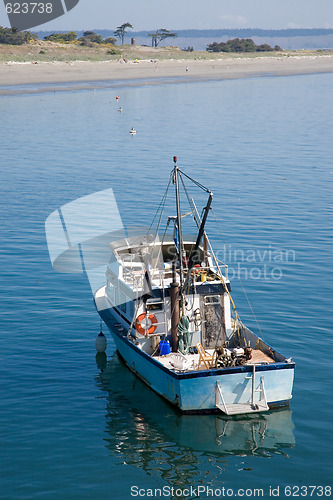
(89, 38)
(160, 35)
(10, 36)
(121, 30)
(110, 40)
(113, 52)
(44, 51)
(61, 37)
(240, 45)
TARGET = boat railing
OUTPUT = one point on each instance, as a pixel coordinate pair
(224, 266)
(136, 277)
(134, 274)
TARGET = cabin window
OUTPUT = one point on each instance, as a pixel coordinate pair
(212, 300)
(154, 306)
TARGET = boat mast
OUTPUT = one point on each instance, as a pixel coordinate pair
(180, 238)
(174, 287)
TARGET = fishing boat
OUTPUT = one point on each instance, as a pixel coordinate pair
(168, 306)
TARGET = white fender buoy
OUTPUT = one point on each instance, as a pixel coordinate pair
(100, 342)
(132, 131)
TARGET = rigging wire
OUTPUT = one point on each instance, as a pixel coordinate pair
(219, 228)
(239, 278)
(201, 186)
(250, 307)
(190, 202)
(160, 207)
(165, 231)
(197, 219)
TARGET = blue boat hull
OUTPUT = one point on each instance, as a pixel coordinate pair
(195, 392)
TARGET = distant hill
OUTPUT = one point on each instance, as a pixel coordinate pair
(316, 38)
(240, 33)
(246, 33)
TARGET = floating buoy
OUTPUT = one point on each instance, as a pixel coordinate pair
(100, 342)
(117, 98)
(132, 131)
(120, 109)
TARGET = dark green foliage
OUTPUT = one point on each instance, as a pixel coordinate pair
(214, 47)
(113, 52)
(11, 36)
(89, 38)
(264, 48)
(110, 40)
(240, 45)
(121, 30)
(160, 35)
(62, 37)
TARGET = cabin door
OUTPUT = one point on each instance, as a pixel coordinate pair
(213, 324)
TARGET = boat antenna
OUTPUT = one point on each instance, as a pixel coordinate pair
(179, 227)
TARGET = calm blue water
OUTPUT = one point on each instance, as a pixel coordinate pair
(264, 146)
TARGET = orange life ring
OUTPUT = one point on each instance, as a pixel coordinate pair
(138, 323)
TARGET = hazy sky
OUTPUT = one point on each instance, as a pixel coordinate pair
(186, 14)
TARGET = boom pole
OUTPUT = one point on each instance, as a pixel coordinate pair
(193, 257)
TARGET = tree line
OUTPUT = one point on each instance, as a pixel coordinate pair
(88, 39)
(240, 45)
(13, 37)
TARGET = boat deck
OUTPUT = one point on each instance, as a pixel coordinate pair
(258, 357)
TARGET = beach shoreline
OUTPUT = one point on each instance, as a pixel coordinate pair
(74, 75)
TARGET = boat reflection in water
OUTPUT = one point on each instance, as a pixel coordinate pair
(144, 430)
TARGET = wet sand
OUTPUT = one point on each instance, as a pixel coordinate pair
(77, 75)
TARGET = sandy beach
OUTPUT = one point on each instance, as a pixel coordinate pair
(82, 74)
